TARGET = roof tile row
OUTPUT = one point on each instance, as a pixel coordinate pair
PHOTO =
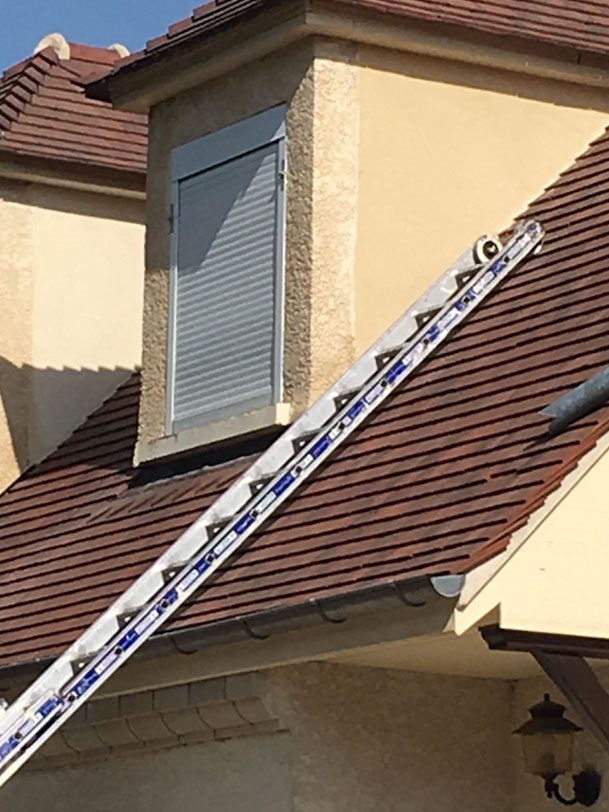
(579, 24)
(45, 114)
(434, 482)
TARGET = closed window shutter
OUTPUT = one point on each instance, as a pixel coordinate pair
(226, 325)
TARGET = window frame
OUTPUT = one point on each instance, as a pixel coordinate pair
(194, 158)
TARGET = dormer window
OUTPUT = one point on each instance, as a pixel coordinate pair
(227, 272)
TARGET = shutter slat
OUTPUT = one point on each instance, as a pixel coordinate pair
(217, 389)
(234, 344)
(225, 287)
(234, 298)
(227, 402)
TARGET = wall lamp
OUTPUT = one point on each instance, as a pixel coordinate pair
(547, 743)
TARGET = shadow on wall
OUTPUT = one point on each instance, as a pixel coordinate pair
(74, 201)
(41, 407)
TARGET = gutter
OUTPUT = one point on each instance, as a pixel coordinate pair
(408, 593)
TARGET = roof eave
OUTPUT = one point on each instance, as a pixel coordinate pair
(130, 183)
(139, 83)
(409, 593)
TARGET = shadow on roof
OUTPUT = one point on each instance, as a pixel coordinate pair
(41, 407)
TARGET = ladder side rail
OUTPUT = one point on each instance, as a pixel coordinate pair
(214, 552)
(190, 541)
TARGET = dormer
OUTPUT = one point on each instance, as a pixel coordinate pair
(313, 167)
(72, 186)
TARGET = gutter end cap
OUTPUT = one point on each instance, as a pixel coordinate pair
(448, 586)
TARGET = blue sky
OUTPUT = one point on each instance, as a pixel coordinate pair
(23, 23)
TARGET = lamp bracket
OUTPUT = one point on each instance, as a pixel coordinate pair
(586, 788)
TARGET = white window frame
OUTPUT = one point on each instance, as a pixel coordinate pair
(193, 158)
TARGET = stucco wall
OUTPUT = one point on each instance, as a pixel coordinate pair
(319, 85)
(354, 740)
(241, 775)
(396, 163)
(16, 285)
(450, 151)
(71, 272)
(366, 739)
(280, 78)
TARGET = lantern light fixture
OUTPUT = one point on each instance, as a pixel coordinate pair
(547, 744)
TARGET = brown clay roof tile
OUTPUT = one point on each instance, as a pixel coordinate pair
(45, 114)
(579, 24)
(434, 482)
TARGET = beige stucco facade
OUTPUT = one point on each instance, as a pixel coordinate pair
(318, 83)
(448, 152)
(396, 162)
(71, 278)
(346, 740)
(314, 737)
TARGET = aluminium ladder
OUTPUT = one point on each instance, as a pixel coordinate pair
(223, 529)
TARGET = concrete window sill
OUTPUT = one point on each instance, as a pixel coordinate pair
(278, 414)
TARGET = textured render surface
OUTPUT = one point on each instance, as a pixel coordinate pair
(281, 78)
(449, 152)
(87, 306)
(353, 740)
(322, 178)
(334, 222)
(72, 278)
(365, 739)
(15, 328)
(154, 352)
(237, 775)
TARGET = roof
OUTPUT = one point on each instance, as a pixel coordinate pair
(579, 24)
(45, 114)
(436, 480)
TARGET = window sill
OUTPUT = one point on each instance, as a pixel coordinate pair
(278, 414)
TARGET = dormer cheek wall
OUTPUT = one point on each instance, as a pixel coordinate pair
(396, 161)
(318, 84)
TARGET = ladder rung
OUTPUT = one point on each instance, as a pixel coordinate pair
(259, 484)
(273, 478)
(385, 357)
(426, 316)
(217, 527)
(463, 278)
(342, 400)
(300, 442)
